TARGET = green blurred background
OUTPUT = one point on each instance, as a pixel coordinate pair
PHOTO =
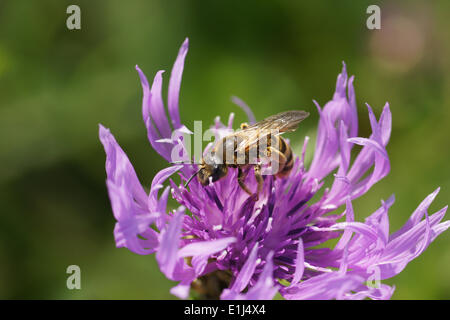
(56, 85)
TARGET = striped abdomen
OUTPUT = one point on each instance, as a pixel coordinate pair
(287, 163)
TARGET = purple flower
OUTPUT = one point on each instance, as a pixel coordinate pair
(233, 247)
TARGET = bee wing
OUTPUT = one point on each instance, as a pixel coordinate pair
(274, 125)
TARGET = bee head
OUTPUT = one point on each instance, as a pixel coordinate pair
(216, 172)
(212, 167)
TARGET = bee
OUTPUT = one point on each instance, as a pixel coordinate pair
(246, 147)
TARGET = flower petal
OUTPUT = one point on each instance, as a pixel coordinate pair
(175, 83)
(333, 285)
(247, 271)
(299, 264)
(264, 288)
(169, 243)
(246, 108)
(205, 248)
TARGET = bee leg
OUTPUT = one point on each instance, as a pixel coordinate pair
(241, 177)
(277, 158)
(244, 125)
(259, 179)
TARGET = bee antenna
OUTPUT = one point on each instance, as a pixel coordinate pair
(189, 180)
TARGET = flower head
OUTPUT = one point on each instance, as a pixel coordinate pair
(244, 248)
